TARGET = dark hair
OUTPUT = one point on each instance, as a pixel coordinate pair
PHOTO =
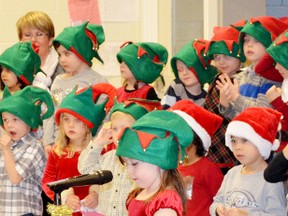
(2, 85)
(56, 45)
(200, 150)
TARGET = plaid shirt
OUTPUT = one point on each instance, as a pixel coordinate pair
(218, 152)
(30, 160)
(113, 195)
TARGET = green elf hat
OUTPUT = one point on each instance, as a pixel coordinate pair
(224, 41)
(278, 50)
(156, 138)
(136, 107)
(265, 29)
(203, 122)
(23, 60)
(192, 56)
(83, 104)
(145, 60)
(83, 40)
(26, 105)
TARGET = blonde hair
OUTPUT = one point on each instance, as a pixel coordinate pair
(38, 20)
(62, 141)
(118, 114)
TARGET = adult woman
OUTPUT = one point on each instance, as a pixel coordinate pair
(37, 27)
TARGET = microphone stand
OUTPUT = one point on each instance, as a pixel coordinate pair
(57, 197)
(101, 177)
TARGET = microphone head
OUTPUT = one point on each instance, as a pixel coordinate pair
(99, 177)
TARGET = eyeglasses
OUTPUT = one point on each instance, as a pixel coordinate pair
(37, 36)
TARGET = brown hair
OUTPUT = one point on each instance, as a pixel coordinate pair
(170, 179)
(38, 20)
(19, 81)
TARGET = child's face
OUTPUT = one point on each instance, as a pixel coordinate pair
(186, 76)
(69, 61)
(73, 127)
(9, 78)
(226, 64)
(145, 175)
(282, 70)
(15, 127)
(253, 49)
(244, 151)
(118, 122)
(39, 38)
(126, 72)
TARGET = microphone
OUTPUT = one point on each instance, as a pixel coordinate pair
(99, 177)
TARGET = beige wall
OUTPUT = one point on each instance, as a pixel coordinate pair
(11, 10)
(233, 10)
(169, 22)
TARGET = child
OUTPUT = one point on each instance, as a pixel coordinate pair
(244, 191)
(78, 118)
(224, 50)
(19, 64)
(36, 26)
(140, 65)
(202, 177)
(76, 46)
(248, 89)
(150, 151)
(192, 71)
(112, 196)
(276, 96)
(22, 156)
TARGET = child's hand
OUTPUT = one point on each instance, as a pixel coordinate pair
(224, 92)
(5, 141)
(236, 212)
(231, 89)
(73, 202)
(234, 90)
(273, 93)
(90, 201)
(221, 210)
(104, 137)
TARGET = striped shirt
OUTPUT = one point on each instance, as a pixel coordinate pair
(252, 93)
(177, 91)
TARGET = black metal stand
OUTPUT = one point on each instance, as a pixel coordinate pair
(57, 198)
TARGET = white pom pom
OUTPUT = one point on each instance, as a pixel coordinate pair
(275, 145)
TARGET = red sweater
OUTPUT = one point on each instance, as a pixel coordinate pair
(142, 92)
(58, 168)
(282, 107)
(207, 180)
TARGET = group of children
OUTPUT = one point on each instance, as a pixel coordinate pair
(168, 156)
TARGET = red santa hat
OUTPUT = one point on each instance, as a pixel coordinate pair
(203, 122)
(259, 125)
